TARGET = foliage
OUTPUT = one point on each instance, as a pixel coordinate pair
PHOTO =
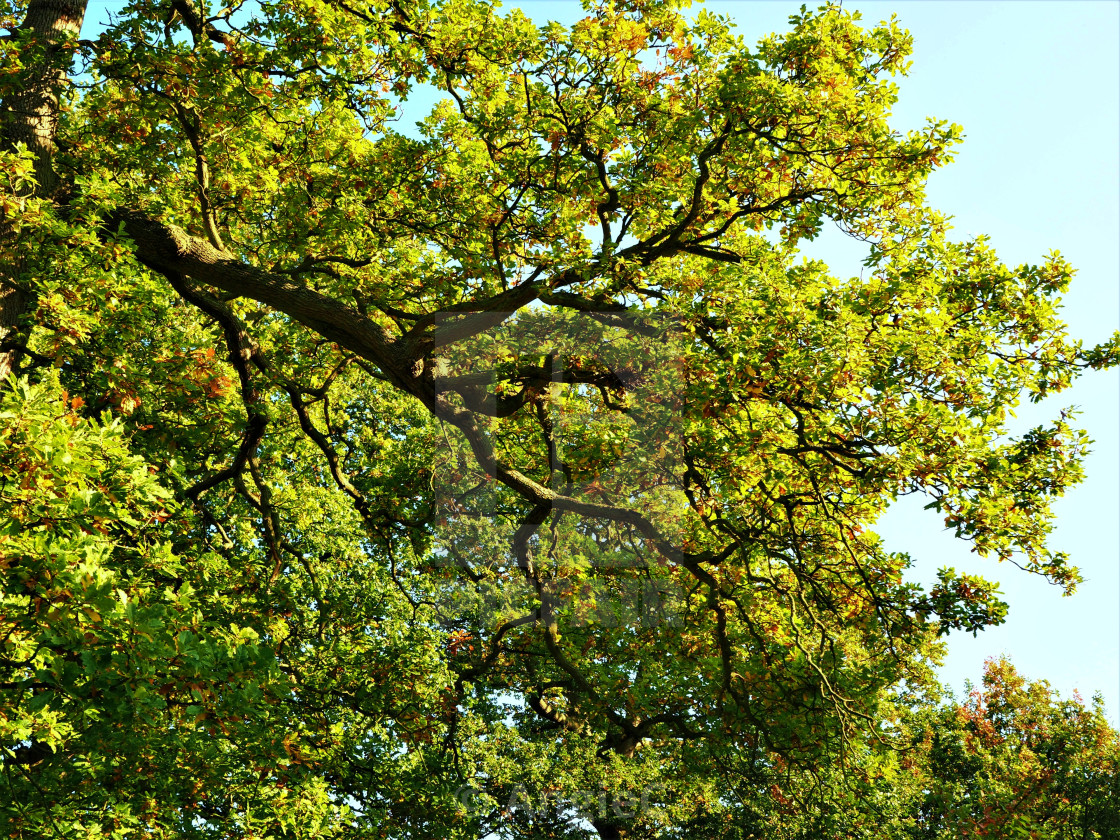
(1013, 760)
(512, 476)
(128, 686)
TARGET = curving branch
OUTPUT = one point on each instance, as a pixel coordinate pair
(170, 250)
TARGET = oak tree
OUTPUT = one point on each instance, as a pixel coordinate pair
(513, 476)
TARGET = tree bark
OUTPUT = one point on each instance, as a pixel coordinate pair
(29, 115)
(172, 251)
(609, 830)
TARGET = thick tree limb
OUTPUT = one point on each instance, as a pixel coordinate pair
(171, 250)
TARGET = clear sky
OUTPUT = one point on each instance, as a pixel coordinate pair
(1036, 86)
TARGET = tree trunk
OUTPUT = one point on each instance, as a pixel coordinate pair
(29, 115)
(609, 830)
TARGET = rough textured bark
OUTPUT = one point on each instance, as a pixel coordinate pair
(13, 304)
(30, 116)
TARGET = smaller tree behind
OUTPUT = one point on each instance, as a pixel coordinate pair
(1015, 760)
(1011, 761)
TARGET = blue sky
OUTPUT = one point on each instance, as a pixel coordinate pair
(1036, 86)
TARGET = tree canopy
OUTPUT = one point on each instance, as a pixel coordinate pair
(514, 478)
